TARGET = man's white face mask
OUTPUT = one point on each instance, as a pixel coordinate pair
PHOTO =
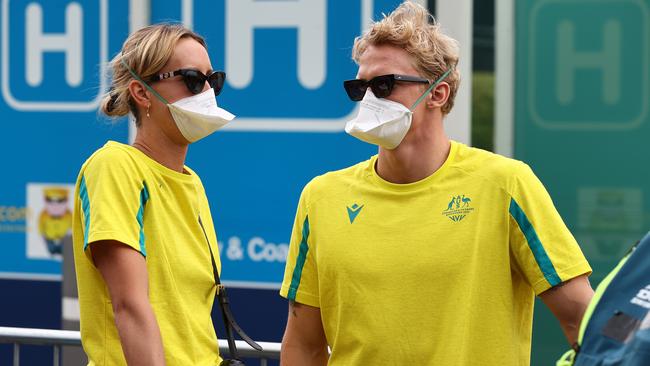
(380, 121)
(384, 122)
(196, 116)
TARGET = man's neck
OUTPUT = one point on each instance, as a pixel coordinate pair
(420, 154)
(159, 147)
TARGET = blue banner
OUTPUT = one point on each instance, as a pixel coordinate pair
(285, 63)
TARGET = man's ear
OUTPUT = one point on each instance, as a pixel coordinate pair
(439, 95)
(140, 94)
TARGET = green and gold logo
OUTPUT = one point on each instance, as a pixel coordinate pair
(458, 208)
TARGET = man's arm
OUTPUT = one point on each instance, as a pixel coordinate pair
(304, 342)
(568, 302)
(125, 272)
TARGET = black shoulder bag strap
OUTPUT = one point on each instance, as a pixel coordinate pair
(228, 318)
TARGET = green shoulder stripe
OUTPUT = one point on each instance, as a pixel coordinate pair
(300, 261)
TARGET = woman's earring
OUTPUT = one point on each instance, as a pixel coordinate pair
(148, 106)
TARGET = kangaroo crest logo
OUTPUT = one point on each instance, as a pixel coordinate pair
(458, 208)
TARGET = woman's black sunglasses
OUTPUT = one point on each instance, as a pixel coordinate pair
(381, 86)
(195, 79)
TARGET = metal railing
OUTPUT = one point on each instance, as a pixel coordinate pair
(59, 338)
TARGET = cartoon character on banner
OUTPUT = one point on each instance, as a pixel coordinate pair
(55, 221)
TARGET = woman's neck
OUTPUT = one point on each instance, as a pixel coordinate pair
(161, 148)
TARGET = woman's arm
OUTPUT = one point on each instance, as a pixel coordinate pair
(125, 272)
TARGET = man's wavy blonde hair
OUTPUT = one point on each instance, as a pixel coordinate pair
(413, 29)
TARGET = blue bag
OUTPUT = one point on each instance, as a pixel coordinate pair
(615, 330)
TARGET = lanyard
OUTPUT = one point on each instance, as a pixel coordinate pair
(228, 318)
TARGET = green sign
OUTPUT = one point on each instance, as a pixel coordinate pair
(582, 91)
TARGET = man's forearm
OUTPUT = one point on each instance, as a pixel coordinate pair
(139, 335)
(304, 342)
(571, 324)
(568, 302)
(294, 355)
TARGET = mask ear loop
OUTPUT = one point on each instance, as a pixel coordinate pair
(433, 85)
(136, 77)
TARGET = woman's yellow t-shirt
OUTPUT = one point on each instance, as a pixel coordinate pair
(122, 194)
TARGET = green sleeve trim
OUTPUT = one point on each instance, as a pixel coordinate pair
(300, 262)
(85, 206)
(534, 243)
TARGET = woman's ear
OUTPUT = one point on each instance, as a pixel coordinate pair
(438, 96)
(140, 94)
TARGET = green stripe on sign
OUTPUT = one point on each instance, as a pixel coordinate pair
(542, 259)
(300, 262)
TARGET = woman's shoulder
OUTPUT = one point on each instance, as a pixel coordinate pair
(110, 156)
(197, 179)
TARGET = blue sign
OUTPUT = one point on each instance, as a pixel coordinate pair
(59, 52)
(53, 56)
(285, 63)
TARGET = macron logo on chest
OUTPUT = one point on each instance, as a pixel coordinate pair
(353, 212)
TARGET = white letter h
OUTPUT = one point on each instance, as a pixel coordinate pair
(308, 16)
(69, 42)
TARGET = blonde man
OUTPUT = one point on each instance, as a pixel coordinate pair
(431, 252)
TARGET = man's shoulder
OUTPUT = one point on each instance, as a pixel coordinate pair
(334, 182)
(497, 169)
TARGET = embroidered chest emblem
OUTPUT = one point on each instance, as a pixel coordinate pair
(353, 211)
(458, 207)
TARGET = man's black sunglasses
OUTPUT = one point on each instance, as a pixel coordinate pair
(195, 79)
(381, 86)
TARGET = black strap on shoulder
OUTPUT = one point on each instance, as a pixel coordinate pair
(228, 318)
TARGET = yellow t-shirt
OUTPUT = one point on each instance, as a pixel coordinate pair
(443, 271)
(122, 194)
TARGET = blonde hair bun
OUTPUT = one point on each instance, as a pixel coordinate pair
(145, 51)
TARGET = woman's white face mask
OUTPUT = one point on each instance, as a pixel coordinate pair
(384, 122)
(199, 116)
(196, 116)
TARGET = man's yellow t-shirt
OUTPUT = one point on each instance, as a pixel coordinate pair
(443, 271)
(122, 194)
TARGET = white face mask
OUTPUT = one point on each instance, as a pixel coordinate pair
(384, 122)
(199, 115)
(380, 121)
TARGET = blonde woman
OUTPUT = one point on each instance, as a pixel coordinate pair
(431, 252)
(145, 246)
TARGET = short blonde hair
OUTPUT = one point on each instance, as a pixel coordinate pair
(413, 29)
(145, 51)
